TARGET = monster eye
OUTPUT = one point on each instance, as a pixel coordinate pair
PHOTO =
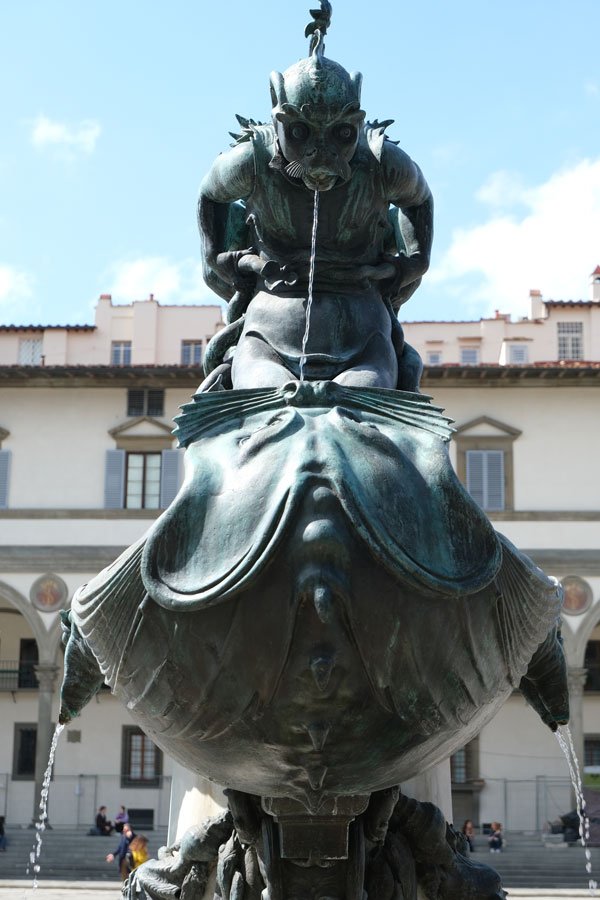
(345, 132)
(298, 131)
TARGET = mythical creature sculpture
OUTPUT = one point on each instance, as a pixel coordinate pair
(323, 612)
(375, 226)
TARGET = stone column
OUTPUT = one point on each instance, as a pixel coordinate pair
(576, 678)
(433, 786)
(46, 675)
(193, 799)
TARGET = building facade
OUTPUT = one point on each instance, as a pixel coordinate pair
(87, 461)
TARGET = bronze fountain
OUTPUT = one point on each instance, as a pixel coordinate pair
(323, 612)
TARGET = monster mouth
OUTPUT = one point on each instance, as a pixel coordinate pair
(319, 182)
(318, 178)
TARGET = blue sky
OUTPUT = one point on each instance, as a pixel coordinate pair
(111, 112)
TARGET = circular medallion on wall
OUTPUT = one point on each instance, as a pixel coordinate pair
(49, 593)
(578, 595)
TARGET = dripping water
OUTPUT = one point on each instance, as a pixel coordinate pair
(311, 278)
(565, 740)
(40, 825)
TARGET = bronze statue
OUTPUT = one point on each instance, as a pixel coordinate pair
(323, 612)
(374, 233)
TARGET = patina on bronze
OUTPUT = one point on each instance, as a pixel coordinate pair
(323, 612)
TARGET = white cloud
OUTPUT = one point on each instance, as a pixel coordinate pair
(550, 244)
(67, 140)
(502, 190)
(17, 302)
(169, 281)
(14, 285)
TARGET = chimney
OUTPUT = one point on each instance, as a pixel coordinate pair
(538, 309)
(595, 283)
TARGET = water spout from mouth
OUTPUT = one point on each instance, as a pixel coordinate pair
(311, 278)
(565, 740)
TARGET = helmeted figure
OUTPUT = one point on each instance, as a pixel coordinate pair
(373, 237)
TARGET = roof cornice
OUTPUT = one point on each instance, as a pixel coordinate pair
(170, 376)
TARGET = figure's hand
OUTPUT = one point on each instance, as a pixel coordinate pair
(377, 273)
(226, 266)
(407, 268)
(110, 857)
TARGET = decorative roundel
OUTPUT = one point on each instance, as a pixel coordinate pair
(49, 593)
(578, 595)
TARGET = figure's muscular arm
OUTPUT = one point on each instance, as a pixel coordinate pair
(230, 178)
(407, 189)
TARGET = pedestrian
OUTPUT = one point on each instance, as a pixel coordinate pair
(138, 851)
(120, 854)
(103, 825)
(120, 819)
(468, 830)
(496, 839)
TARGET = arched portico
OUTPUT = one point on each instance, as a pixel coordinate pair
(575, 643)
(46, 670)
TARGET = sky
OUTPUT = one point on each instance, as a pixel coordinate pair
(111, 111)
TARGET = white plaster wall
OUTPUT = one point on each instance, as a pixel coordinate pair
(555, 456)
(526, 776)
(54, 347)
(541, 336)
(59, 437)
(13, 627)
(189, 323)
(86, 774)
(78, 532)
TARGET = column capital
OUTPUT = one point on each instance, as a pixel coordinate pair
(576, 677)
(46, 675)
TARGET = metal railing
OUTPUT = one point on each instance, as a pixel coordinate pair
(74, 800)
(16, 675)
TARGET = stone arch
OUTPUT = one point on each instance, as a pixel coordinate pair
(47, 641)
(578, 641)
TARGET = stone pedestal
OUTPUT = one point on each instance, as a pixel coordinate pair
(194, 798)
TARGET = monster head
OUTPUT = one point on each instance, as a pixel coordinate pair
(316, 113)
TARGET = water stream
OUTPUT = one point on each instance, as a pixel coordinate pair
(311, 278)
(40, 825)
(565, 740)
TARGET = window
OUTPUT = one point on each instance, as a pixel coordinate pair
(120, 353)
(458, 766)
(591, 751)
(141, 761)
(570, 340)
(4, 476)
(145, 402)
(434, 357)
(464, 763)
(518, 354)
(485, 461)
(469, 356)
(25, 741)
(142, 481)
(191, 353)
(485, 478)
(28, 660)
(592, 664)
(30, 352)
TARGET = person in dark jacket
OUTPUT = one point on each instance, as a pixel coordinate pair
(120, 854)
(103, 825)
